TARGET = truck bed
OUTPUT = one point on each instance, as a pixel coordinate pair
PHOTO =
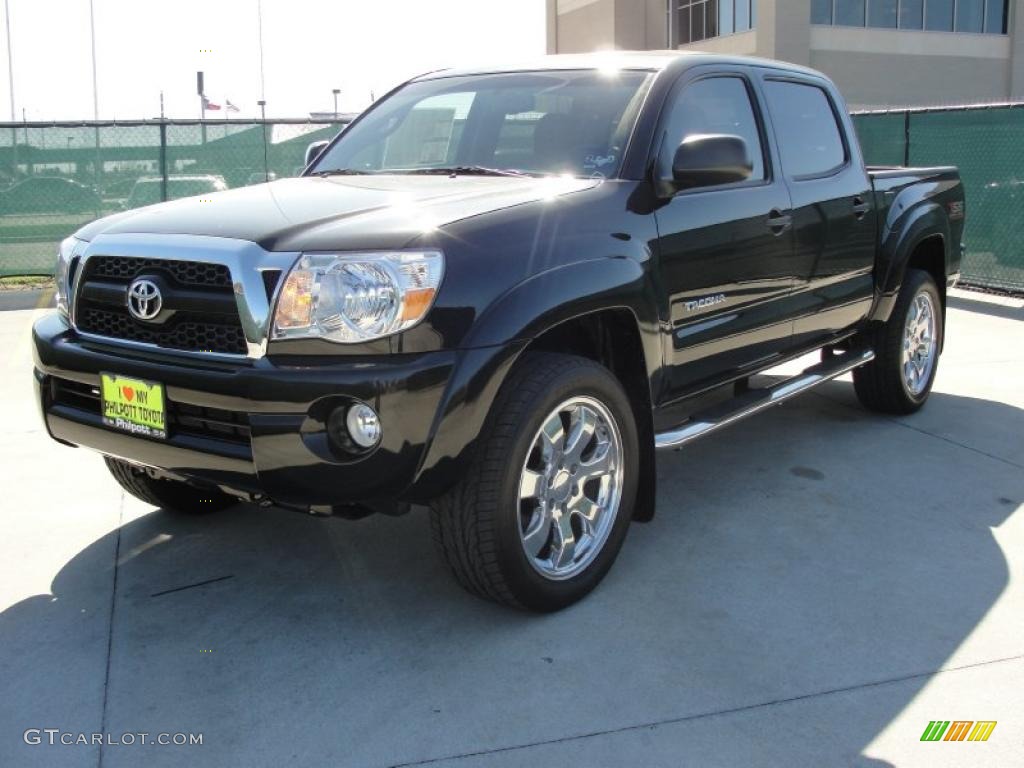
(907, 187)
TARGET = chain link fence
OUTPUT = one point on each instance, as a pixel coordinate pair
(55, 177)
(987, 144)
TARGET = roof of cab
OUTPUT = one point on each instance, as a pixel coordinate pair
(652, 61)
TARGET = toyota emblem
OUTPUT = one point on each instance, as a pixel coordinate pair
(144, 299)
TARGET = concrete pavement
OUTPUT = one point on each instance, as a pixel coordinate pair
(819, 583)
(35, 298)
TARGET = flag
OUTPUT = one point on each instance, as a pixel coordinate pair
(207, 104)
(231, 107)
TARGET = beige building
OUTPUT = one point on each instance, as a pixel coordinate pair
(880, 52)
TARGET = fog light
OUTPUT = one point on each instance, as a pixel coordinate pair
(363, 425)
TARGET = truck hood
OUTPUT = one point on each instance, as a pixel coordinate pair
(338, 212)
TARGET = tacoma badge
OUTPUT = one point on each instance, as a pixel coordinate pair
(707, 301)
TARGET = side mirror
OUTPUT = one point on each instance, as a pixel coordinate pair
(710, 159)
(313, 151)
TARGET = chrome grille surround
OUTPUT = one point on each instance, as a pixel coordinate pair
(246, 262)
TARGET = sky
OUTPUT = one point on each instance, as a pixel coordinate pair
(144, 47)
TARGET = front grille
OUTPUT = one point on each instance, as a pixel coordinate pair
(190, 325)
(182, 419)
(74, 394)
(205, 335)
(192, 273)
(211, 422)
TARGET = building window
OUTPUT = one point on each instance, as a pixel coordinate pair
(970, 15)
(821, 11)
(849, 13)
(938, 15)
(911, 14)
(995, 16)
(987, 16)
(883, 13)
(696, 20)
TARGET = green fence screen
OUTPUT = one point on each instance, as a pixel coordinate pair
(987, 144)
(55, 177)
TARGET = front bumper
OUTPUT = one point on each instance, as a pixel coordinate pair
(255, 427)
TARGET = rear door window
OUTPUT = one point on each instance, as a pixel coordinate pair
(808, 135)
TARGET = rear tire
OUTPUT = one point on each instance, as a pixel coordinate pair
(174, 495)
(542, 512)
(907, 346)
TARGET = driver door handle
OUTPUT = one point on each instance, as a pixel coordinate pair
(778, 222)
(860, 208)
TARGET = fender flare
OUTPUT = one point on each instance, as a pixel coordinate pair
(561, 293)
(900, 239)
(504, 331)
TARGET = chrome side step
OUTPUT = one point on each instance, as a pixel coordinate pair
(756, 400)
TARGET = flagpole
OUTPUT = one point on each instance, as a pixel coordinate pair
(95, 99)
(95, 91)
(10, 78)
(263, 92)
(263, 82)
(10, 55)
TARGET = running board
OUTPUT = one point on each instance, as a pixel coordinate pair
(756, 400)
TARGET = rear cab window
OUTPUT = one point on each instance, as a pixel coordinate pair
(808, 135)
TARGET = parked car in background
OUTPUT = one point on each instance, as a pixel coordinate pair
(48, 194)
(259, 177)
(148, 190)
(115, 194)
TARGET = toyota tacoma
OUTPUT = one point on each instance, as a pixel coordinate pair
(496, 294)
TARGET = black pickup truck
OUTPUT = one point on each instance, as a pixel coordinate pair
(496, 294)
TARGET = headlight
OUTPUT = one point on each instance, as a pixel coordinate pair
(63, 275)
(354, 297)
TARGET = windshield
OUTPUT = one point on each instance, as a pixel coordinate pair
(573, 122)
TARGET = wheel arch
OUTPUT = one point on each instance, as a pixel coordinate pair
(612, 321)
(921, 240)
(612, 338)
(929, 254)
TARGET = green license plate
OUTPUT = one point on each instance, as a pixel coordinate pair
(133, 405)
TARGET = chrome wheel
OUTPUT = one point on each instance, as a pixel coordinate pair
(570, 488)
(919, 344)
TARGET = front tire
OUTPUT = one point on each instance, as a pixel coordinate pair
(907, 346)
(174, 495)
(543, 510)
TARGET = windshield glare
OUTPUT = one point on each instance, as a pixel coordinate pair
(572, 122)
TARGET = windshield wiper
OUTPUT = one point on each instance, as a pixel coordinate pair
(340, 172)
(466, 170)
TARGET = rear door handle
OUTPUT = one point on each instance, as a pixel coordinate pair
(778, 222)
(860, 208)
